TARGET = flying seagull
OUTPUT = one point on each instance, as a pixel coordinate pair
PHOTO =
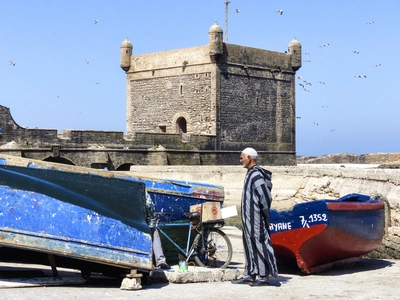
(86, 61)
(279, 11)
(360, 76)
(237, 10)
(11, 63)
(324, 45)
(95, 21)
(356, 52)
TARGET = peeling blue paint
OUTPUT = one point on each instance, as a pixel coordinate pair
(39, 215)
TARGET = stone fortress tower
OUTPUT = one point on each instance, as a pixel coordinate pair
(234, 96)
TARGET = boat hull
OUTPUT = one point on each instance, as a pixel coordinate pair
(319, 234)
(171, 196)
(74, 215)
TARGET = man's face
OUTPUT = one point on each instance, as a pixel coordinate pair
(244, 160)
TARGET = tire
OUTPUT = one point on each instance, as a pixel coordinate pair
(218, 249)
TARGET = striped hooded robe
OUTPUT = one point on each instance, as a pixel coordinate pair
(256, 202)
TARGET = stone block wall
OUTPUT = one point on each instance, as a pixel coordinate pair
(165, 86)
(161, 101)
(256, 100)
(85, 137)
(11, 132)
(174, 141)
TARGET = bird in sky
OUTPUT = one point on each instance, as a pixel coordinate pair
(11, 63)
(321, 82)
(315, 123)
(299, 77)
(307, 53)
(324, 106)
(95, 21)
(360, 76)
(237, 10)
(307, 60)
(306, 82)
(86, 61)
(279, 11)
(302, 85)
(324, 45)
(370, 22)
(356, 52)
(376, 65)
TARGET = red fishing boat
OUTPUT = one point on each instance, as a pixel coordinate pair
(320, 234)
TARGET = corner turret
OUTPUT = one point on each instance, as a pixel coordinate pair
(215, 40)
(126, 54)
(294, 51)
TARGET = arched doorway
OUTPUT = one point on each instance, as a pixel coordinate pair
(60, 160)
(181, 125)
(124, 167)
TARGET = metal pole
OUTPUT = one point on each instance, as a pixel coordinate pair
(226, 20)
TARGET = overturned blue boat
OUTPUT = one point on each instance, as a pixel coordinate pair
(75, 216)
(87, 219)
(172, 196)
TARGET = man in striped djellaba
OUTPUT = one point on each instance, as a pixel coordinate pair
(260, 261)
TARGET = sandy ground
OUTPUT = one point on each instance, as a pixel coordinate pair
(368, 279)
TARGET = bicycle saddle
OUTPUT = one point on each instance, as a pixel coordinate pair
(193, 217)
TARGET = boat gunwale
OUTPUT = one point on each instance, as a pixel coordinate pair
(8, 230)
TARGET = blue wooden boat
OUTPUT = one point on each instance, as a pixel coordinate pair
(104, 211)
(172, 196)
(77, 216)
(319, 234)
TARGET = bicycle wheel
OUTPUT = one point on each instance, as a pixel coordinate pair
(217, 252)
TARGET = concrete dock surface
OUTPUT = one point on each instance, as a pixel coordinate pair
(368, 279)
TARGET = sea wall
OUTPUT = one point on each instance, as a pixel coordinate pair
(294, 184)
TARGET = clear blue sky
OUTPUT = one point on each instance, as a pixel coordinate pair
(51, 85)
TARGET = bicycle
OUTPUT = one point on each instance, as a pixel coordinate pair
(211, 247)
